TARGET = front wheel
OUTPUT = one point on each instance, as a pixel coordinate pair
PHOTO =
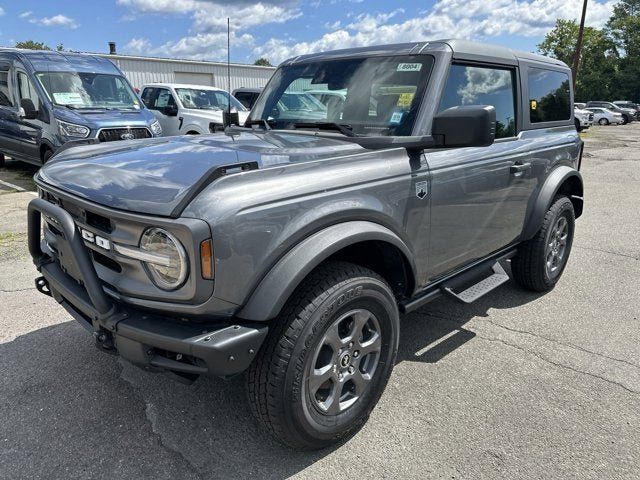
(603, 121)
(327, 359)
(541, 260)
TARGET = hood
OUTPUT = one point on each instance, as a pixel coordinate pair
(100, 118)
(153, 176)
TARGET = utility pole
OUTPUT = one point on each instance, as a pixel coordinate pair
(576, 56)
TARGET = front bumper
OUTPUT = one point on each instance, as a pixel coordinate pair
(151, 341)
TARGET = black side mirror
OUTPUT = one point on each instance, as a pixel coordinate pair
(171, 110)
(230, 118)
(465, 126)
(29, 109)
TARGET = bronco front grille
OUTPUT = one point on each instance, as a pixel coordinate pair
(114, 134)
(591, 116)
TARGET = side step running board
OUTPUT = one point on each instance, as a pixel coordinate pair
(481, 288)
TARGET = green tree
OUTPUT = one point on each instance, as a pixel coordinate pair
(598, 61)
(32, 45)
(624, 29)
(263, 62)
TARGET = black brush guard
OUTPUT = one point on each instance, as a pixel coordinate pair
(148, 340)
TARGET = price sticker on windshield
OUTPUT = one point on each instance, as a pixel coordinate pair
(409, 67)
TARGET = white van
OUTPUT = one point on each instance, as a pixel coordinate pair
(189, 109)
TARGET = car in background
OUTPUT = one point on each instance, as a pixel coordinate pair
(627, 114)
(50, 98)
(629, 105)
(604, 116)
(579, 105)
(185, 109)
(583, 119)
(247, 96)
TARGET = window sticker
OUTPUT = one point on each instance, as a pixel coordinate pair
(409, 67)
(405, 99)
(396, 118)
(534, 105)
(68, 98)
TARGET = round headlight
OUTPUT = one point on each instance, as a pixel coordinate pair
(169, 268)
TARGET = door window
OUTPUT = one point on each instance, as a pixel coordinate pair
(164, 99)
(5, 92)
(27, 90)
(549, 95)
(470, 85)
(148, 96)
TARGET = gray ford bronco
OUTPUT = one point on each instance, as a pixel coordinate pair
(289, 247)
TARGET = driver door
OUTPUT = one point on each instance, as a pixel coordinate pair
(164, 107)
(30, 129)
(479, 196)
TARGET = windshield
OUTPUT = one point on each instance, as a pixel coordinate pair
(202, 99)
(88, 90)
(370, 96)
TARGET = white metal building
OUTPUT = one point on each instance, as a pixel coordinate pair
(141, 70)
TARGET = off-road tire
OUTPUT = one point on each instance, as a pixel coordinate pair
(277, 382)
(529, 266)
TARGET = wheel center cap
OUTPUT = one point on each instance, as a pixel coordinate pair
(345, 360)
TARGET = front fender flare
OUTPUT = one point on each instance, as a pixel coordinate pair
(276, 287)
(549, 190)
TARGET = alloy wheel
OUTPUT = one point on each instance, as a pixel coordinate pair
(345, 362)
(557, 247)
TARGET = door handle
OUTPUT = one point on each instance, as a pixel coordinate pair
(518, 168)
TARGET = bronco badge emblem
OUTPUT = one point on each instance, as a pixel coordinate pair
(421, 190)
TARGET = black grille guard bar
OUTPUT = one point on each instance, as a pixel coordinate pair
(37, 207)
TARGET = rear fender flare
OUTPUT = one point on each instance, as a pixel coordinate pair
(563, 175)
(276, 287)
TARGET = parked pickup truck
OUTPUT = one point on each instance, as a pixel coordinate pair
(190, 109)
(289, 248)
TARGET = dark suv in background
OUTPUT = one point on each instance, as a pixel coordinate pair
(630, 105)
(50, 98)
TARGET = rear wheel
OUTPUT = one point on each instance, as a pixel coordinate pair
(540, 261)
(328, 358)
(625, 120)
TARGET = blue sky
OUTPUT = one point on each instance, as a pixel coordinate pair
(279, 29)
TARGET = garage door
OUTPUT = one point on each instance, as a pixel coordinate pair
(195, 78)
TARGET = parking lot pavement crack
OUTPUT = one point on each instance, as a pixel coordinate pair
(593, 249)
(151, 416)
(17, 290)
(559, 342)
(542, 337)
(567, 356)
(558, 364)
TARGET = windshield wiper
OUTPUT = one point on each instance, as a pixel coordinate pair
(346, 130)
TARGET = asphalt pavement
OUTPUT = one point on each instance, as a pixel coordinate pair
(517, 385)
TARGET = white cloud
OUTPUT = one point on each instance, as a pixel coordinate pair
(138, 46)
(472, 19)
(26, 14)
(207, 38)
(1, 11)
(59, 20)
